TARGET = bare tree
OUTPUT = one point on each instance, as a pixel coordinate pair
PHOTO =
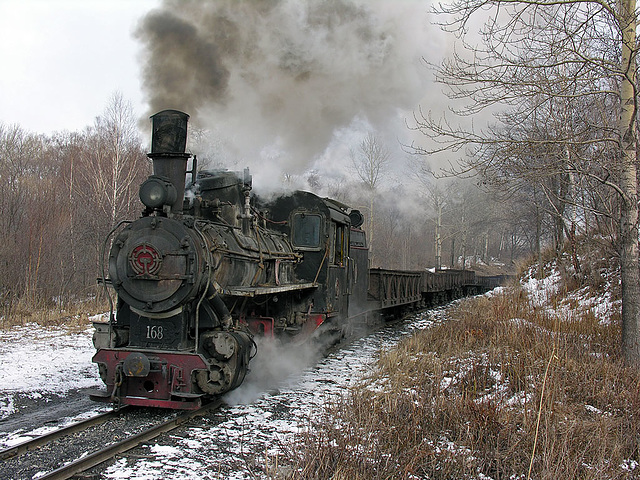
(110, 170)
(370, 163)
(314, 180)
(436, 192)
(114, 163)
(546, 57)
(23, 198)
(337, 188)
(463, 213)
(58, 198)
(34, 218)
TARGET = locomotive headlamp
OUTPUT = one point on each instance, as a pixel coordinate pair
(157, 191)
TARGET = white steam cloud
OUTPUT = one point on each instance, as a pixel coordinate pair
(274, 365)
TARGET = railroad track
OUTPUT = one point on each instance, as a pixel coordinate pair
(86, 461)
(35, 443)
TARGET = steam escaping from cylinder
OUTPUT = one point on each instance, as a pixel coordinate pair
(280, 80)
(275, 365)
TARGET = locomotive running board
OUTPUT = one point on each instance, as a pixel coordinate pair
(241, 291)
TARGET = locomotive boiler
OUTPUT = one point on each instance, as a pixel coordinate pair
(193, 276)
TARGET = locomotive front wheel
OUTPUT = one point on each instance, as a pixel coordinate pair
(216, 380)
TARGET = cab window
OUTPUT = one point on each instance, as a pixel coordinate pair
(306, 230)
(340, 245)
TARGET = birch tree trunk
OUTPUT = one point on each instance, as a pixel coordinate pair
(629, 260)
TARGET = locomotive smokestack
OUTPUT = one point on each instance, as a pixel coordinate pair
(168, 145)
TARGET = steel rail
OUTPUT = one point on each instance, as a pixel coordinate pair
(37, 442)
(96, 458)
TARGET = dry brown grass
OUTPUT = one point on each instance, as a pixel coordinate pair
(499, 389)
(72, 314)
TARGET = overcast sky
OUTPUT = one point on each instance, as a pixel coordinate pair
(61, 60)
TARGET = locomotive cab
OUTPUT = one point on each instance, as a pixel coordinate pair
(320, 229)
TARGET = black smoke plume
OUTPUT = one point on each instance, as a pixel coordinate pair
(276, 79)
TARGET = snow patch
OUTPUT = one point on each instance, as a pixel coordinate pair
(36, 360)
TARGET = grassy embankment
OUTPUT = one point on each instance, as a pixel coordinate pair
(73, 314)
(525, 383)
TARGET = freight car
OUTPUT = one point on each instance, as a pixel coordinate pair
(209, 266)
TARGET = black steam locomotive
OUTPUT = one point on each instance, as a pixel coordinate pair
(208, 267)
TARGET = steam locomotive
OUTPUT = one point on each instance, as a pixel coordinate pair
(209, 266)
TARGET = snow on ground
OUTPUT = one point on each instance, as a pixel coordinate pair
(250, 439)
(540, 291)
(36, 361)
(244, 442)
(543, 294)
